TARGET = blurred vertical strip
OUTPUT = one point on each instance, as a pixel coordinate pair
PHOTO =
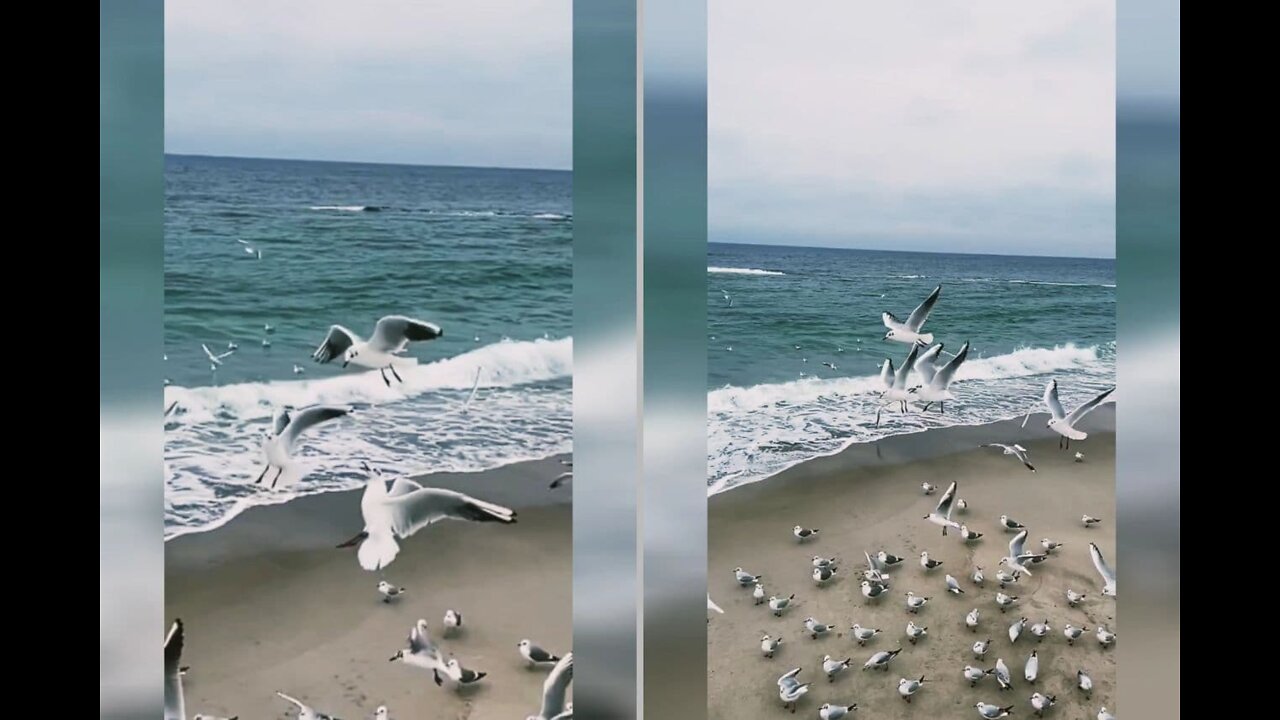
(606, 371)
(675, 367)
(1148, 246)
(130, 327)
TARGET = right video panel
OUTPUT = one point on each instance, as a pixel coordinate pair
(911, 359)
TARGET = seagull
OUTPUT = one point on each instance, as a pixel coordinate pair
(993, 712)
(1049, 545)
(790, 689)
(758, 594)
(977, 576)
(382, 352)
(1084, 682)
(1104, 715)
(268, 328)
(1063, 423)
(216, 358)
(745, 578)
(422, 651)
(1032, 669)
(1005, 578)
(907, 688)
(953, 585)
(1002, 674)
(938, 390)
(1018, 556)
(888, 559)
(821, 562)
(1073, 633)
(1074, 598)
(909, 331)
(561, 479)
(1015, 630)
(249, 249)
(277, 446)
(915, 602)
(1042, 703)
(461, 677)
(1010, 525)
(815, 628)
(872, 591)
(554, 689)
(880, 660)
(941, 514)
(388, 591)
(453, 621)
(174, 705)
(1041, 629)
(915, 632)
(966, 534)
(1089, 520)
(534, 655)
(266, 343)
(728, 301)
(299, 370)
(803, 533)
(306, 712)
(973, 674)
(1004, 601)
(1108, 575)
(861, 634)
(712, 606)
(962, 505)
(895, 382)
(926, 488)
(1079, 456)
(1015, 450)
(778, 604)
(1105, 636)
(822, 574)
(769, 645)
(835, 712)
(834, 667)
(829, 366)
(407, 508)
(927, 562)
(971, 620)
(980, 648)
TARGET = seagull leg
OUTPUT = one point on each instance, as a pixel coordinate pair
(383, 372)
(926, 406)
(392, 368)
(274, 480)
(264, 474)
(942, 406)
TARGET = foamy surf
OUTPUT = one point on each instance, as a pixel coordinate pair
(758, 431)
(741, 271)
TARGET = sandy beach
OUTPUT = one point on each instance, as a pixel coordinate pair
(270, 604)
(869, 498)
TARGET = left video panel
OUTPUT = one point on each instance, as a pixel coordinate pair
(368, 358)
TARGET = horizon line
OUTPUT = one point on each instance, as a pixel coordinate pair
(918, 252)
(167, 153)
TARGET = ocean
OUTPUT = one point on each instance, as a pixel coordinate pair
(773, 404)
(299, 246)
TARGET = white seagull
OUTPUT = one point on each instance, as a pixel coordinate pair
(880, 660)
(908, 687)
(1010, 525)
(534, 655)
(778, 604)
(1063, 423)
(758, 594)
(1004, 601)
(174, 705)
(941, 514)
(555, 689)
(1089, 520)
(861, 634)
(980, 648)
(383, 350)
(1042, 702)
(915, 632)
(305, 711)
(822, 574)
(835, 712)
(215, 358)
(407, 508)
(915, 602)
(286, 427)
(769, 645)
(422, 651)
(1015, 630)
(790, 689)
(895, 382)
(834, 667)
(973, 674)
(1032, 669)
(993, 712)
(815, 628)
(971, 620)
(938, 389)
(804, 533)
(1015, 450)
(1105, 636)
(953, 585)
(1018, 556)
(1108, 575)
(927, 562)
(1002, 674)
(745, 578)
(388, 591)
(1084, 682)
(909, 331)
(453, 621)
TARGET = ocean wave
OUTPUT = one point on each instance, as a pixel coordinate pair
(549, 216)
(742, 271)
(1036, 282)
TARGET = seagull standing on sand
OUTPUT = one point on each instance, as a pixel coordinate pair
(971, 620)
(872, 591)
(305, 711)
(815, 628)
(790, 689)
(1049, 545)
(779, 604)
(453, 621)
(555, 689)
(941, 514)
(1104, 715)
(1074, 598)
(1065, 424)
(907, 687)
(953, 585)
(977, 576)
(834, 667)
(1002, 674)
(406, 508)
(1089, 520)
(1015, 630)
(1084, 682)
(821, 562)
(861, 634)
(1004, 601)
(1041, 630)
(835, 712)
(1010, 525)
(822, 574)
(895, 382)
(927, 488)
(887, 558)
(534, 655)
(769, 645)
(389, 592)
(383, 350)
(745, 578)
(966, 534)
(909, 331)
(1032, 669)
(938, 390)
(880, 660)
(1015, 450)
(993, 712)
(980, 648)
(973, 674)
(915, 602)
(1105, 636)
(422, 651)
(758, 594)
(1079, 456)
(277, 446)
(1073, 633)
(1042, 702)
(927, 562)
(460, 676)
(915, 632)
(803, 533)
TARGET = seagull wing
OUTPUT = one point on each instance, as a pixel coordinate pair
(1017, 545)
(947, 372)
(174, 705)
(945, 504)
(886, 373)
(789, 679)
(242, 241)
(335, 344)
(900, 377)
(394, 332)
(310, 417)
(279, 421)
(213, 357)
(712, 606)
(1078, 414)
(925, 363)
(303, 708)
(891, 321)
(917, 317)
(403, 486)
(1051, 399)
(1099, 562)
(420, 643)
(556, 687)
(412, 511)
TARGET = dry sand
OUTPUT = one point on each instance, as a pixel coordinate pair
(862, 503)
(270, 604)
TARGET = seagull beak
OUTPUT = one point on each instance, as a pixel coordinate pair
(360, 536)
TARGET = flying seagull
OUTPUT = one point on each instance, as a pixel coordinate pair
(909, 331)
(938, 389)
(1108, 575)
(941, 514)
(1015, 450)
(215, 358)
(1065, 424)
(278, 445)
(895, 381)
(383, 350)
(554, 690)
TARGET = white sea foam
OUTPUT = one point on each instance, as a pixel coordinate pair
(758, 431)
(741, 271)
(339, 208)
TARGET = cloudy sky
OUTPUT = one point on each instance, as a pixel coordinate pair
(936, 126)
(448, 82)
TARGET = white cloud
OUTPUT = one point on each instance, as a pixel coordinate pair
(987, 120)
(450, 81)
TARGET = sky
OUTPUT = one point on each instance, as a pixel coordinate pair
(447, 82)
(944, 126)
